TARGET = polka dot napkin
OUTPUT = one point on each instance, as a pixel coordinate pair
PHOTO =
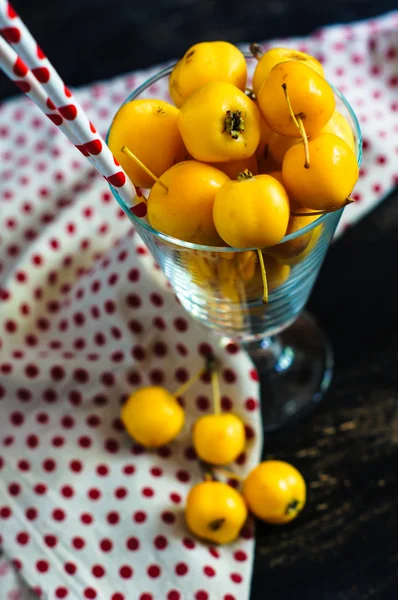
(86, 317)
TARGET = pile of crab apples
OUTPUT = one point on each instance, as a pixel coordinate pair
(229, 166)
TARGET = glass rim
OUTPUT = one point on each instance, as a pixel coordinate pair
(204, 248)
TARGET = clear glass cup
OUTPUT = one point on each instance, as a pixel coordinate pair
(222, 289)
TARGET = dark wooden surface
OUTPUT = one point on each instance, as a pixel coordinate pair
(345, 544)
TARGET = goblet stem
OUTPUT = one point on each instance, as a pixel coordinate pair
(294, 368)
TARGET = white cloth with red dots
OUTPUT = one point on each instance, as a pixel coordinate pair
(86, 317)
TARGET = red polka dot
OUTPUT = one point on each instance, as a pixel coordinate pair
(139, 516)
(23, 465)
(58, 514)
(78, 543)
(17, 563)
(49, 465)
(160, 542)
(202, 403)
(102, 470)
(40, 489)
(31, 371)
(176, 498)
(21, 276)
(94, 494)
(10, 326)
(226, 403)
(153, 571)
(31, 514)
(32, 441)
(5, 512)
(50, 540)
(98, 571)
(76, 466)
(254, 375)
(84, 441)
(138, 352)
(240, 555)
(42, 566)
(134, 378)
(22, 538)
(214, 552)
(164, 452)
(17, 418)
(201, 595)
(67, 491)
(70, 568)
(159, 323)
(133, 301)
(61, 592)
(129, 469)
(147, 492)
(229, 376)
(236, 578)
(168, 517)
(251, 404)
(209, 571)
(189, 543)
(126, 572)
(133, 544)
(229, 597)
(205, 349)
(160, 349)
(57, 373)
(146, 596)
(67, 422)
(90, 593)
(183, 476)
(86, 519)
(173, 595)
(111, 445)
(14, 489)
(156, 376)
(180, 324)
(156, 471)
(121, 493)
(106, 545)
(249, 432)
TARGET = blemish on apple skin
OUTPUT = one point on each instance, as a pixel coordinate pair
(189, 55)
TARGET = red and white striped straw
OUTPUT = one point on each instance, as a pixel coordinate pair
(46, 85)
(16, 70)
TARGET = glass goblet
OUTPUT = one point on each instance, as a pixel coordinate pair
(222, 289)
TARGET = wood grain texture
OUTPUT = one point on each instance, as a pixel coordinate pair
(344, 546)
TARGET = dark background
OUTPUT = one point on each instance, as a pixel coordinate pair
(345, 544)
(94, 39)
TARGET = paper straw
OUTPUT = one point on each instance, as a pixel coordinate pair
(76, 124)
(16, 70)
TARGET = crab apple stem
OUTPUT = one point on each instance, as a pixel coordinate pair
(256, 50)
(185, 386)
(246, 174)
(215, 383)
(263, 276)
(135, 158)
(297, 120)
(305, 140)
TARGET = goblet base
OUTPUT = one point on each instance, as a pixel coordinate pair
(295, 369)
